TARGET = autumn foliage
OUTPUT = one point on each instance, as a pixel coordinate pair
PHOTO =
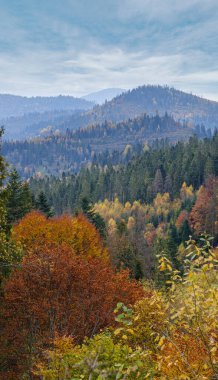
(56, 292)
(35, 232)
(204, 215)
(166, 335)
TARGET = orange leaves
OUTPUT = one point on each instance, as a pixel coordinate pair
(56, 292)
(184, 357)
(65, 286)
(197, 216)
(35, 231)
(181, 218)
(86, 240)
(204, 215)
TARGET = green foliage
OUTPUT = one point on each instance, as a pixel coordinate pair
(19, 198)
(10, 254)
(98, 359)
(165, 335)
(43, 206)
(93, 216)
(154, 170)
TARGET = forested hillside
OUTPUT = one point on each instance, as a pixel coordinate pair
(117, 290)
(106, 143)
(25, 117)
(13, 105)
(154, 171)
(34, 124)
(150, 100)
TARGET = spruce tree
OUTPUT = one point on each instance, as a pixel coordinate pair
(19, 198)
(94, 217)
(43, 205)
(158, 182)
(9, 253)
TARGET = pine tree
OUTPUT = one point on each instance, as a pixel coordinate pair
(94, 217)
(43, 205)
(3, 194)
(158, 182)
(185, 231)
(168, 185)
(9, 253)
(19, 199)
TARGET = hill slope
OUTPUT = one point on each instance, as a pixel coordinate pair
(57, 153)
(13, 105)
(24, 117)
(150, 100)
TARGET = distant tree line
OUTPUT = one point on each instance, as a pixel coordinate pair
(110, 142)
(154, 171)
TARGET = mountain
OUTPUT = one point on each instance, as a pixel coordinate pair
(150, 100)
(101, 96)
(34, 124)
(106, 143)
(116, 136)
(13, 105)
(20, 115)
(26, 117)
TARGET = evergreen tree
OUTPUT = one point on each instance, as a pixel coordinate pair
(168, 185)
(19, 199)
(94, 217)
(172, 246)
(185, 231)
(158, 182)
(43, 205)
(9, 253)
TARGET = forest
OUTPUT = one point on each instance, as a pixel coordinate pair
(111, 273)
(161, 169)
(54, 153)
(150, 100)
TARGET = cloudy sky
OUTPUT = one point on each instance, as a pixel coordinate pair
(50, 47)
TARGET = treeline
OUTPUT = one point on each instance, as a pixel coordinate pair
(55, 152)
(142, 178)
(143, 126)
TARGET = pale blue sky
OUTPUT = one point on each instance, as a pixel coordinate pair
(50, 47)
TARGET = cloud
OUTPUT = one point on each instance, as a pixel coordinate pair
(76, 48)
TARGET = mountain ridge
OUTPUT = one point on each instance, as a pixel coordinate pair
(68, 152)
(16, 105)
(151, 100)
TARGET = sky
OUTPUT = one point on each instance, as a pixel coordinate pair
(74, 47)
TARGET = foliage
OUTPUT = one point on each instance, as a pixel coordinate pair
(97, 358)
(135, 181)
(10, 254)
(204, 215)
(170, 334)
(55, 292)
(35, 232)
(19, 198)
(189, 343)
(55, 153)
(42, 205)
(93, 216)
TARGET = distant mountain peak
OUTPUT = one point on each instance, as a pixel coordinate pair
(99, 97)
